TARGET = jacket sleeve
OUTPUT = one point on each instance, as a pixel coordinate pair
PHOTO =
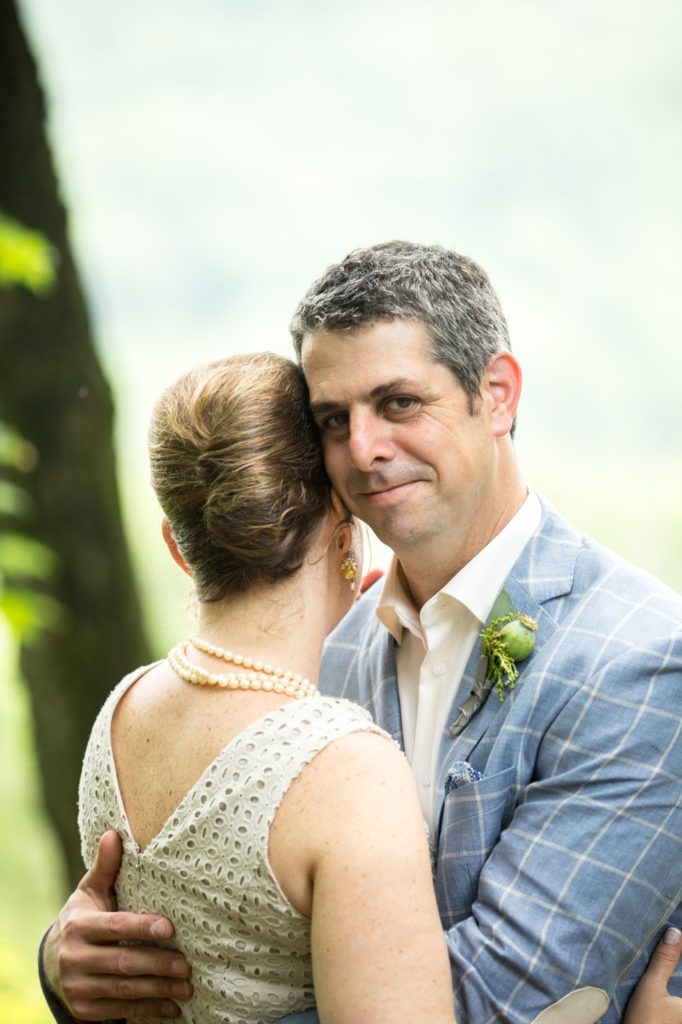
(588, 867)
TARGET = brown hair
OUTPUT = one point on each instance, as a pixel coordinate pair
(237, 467)
(447, 292)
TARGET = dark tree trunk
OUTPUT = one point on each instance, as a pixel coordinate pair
(53, 391)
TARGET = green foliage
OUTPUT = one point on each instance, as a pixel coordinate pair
(22, 559)
(27, 613)
(21, 556)
(14, 501)
(26, 257)
(25, 610)
(15, 451)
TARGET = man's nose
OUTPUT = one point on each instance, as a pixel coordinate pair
(369, 440)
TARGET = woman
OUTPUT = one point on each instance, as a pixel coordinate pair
(278, 829)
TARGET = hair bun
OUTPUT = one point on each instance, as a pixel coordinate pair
(237, 467)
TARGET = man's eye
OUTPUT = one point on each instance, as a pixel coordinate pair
(401, 404)
(337, 421)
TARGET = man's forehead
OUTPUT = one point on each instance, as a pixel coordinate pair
(375, 352)
(347, 378)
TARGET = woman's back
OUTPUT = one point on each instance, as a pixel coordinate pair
(197, 850)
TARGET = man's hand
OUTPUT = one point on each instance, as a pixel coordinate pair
(650, 1003)
(93, 976)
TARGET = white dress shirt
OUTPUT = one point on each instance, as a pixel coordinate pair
(434, 643)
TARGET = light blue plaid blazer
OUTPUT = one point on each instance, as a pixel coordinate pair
(559, 868)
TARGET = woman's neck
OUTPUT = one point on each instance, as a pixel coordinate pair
(279, 624)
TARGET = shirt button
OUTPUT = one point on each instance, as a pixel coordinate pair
(439, 668)
(426, 781)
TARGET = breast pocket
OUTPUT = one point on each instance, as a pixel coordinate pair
(474, 814)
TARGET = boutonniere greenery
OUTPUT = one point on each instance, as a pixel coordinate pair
(507, 640)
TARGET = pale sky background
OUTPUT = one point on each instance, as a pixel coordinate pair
(216, 156)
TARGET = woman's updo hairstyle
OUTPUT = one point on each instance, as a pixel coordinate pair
(237, 467)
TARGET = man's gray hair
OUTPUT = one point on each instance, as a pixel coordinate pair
(447, 292)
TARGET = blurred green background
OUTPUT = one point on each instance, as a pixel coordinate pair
(215, 157)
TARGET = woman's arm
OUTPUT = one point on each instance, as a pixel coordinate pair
(378, 949)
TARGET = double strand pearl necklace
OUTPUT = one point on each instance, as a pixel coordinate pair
(255, 674)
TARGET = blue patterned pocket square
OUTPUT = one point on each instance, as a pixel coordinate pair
(461, 774)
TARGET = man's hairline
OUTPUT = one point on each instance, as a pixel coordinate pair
(472, 396)
(361, 325)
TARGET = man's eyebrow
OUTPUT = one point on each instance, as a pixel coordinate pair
(388, 387)
(391, 386)
(321, 408)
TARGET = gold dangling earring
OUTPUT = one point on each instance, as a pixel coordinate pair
(349, 570)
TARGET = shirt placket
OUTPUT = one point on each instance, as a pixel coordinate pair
(437, 627)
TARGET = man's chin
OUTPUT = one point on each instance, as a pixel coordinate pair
(390, 527)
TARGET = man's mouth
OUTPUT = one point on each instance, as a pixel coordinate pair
(386, 492)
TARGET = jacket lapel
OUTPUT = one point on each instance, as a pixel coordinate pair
(541, 577)
(371, 678)
(385, 702)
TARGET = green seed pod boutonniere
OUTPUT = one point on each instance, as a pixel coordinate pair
(507, 640)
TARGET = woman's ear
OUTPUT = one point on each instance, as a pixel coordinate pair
(343, 530)
(173, 547)
(502, 382)
(343, 537)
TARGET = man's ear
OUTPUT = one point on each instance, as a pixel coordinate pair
(502, 382)
(173, 547)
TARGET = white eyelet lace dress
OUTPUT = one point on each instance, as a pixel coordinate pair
(208, 869)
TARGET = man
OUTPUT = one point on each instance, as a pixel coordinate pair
(554, 805)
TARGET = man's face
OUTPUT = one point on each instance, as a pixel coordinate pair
(402, 446)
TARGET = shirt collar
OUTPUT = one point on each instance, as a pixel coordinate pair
(476, 585)
(396, 609)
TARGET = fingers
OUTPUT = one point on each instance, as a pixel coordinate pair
(98, 926)
(98, 978)
(664, 958)
(97, 998)
(95, 894)
(650, 1002)
(92, 996)
(119, 963)
(110, 1009)
(91, 973)
(98, 882)
(112, 982)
